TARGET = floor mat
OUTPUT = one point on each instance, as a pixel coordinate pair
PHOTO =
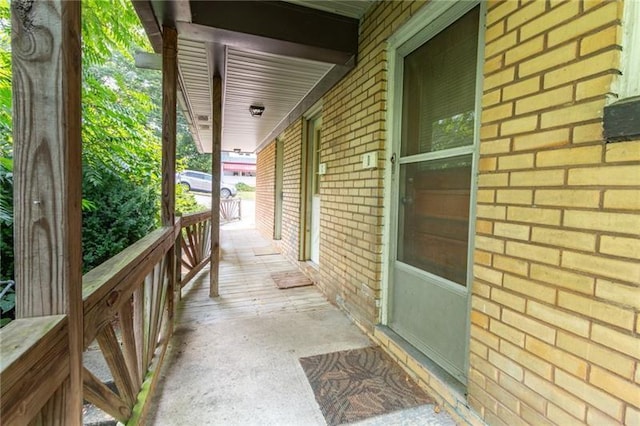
(264, 251)
(290, 279)
(354, 385)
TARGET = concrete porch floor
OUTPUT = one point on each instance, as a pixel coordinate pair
(233, 360)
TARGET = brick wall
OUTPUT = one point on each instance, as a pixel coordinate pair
(291, 185)
(556, 290)
(352, 198)
(556, 294)
(265, 190)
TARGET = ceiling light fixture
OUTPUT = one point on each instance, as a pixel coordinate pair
(256, 110)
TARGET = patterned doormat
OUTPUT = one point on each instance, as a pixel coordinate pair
(361, 383)
(290, 279)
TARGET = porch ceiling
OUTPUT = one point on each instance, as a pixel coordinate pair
(282, 55)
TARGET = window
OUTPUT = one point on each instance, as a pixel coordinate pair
(620, 118)
(437, 142)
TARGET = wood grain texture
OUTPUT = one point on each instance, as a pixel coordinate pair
(102, 397)
(34, 366)
(138, 329)
(216, 146)
(112, 283)
(195, 244)
(157, 285)
(125, 315)
(193, 218)
(115, 360)
(47, 69)
(141, 409)
(169, 100)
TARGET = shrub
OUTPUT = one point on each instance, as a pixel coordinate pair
(123, 213)
(243, 187)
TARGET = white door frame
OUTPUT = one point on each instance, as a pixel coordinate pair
(306, 189)
(277, 210)
(425, 24)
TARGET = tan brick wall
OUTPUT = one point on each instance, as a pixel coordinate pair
(266, 190)
(354, 113)
(555, 322)
(291, 185)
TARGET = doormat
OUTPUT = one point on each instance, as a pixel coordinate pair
(264, 251)
(290, 279)
(354, 385)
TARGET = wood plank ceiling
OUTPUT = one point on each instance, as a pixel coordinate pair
(277, 76)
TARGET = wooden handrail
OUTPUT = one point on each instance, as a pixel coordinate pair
(109, 285)
(192, 218)
(33, 365)
(133, 287)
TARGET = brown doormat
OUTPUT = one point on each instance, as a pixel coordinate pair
(290, 279)
(357, 384)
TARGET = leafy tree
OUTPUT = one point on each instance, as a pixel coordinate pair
(121, 152)
(7, 292)
(186, 150)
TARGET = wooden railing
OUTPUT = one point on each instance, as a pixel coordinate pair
(128, 310)
(230, 209)
(195, 243)
(134, 288)
(34, 363)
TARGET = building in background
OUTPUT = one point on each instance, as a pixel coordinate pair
(239, 168)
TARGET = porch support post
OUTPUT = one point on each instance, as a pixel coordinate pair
(169, 100)
(46, 56)
(216, 146)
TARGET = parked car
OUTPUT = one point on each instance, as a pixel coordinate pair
(199, 181)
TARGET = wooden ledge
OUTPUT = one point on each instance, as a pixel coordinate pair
(34, 362)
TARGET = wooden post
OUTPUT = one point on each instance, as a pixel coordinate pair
(47, 69)
(169, 100)
(216, 146)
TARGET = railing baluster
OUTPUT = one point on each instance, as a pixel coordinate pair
(102, 397)
(138, 323)
(191, 262)
(156, 307)
(129, 343)
(113, 355)
(192, 244)
(195, 243)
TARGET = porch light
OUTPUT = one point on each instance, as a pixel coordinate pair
(256, 110)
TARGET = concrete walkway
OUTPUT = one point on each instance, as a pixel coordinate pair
(234, 360)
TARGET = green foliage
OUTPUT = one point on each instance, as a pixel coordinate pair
(5, 80)
(243, 187)
(124, 213)
(186, 151)
(7, 302)
(6, 221)
(110, 26)
(120, 131)
(121, 136)
(185, 201)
